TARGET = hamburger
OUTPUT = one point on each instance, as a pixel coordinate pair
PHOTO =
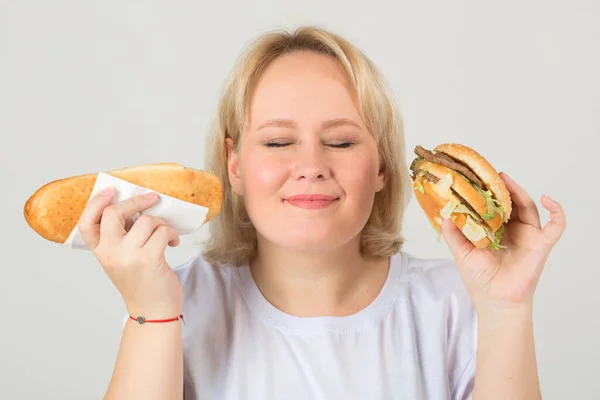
(54, 209)
(454, 181)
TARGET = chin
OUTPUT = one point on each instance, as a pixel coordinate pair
(313, 240)
(310, 247)
(310, 232)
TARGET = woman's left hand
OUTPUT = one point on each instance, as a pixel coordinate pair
(507, 278)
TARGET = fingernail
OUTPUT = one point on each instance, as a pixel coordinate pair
(551, 199)
(106, 191)
(150, 196)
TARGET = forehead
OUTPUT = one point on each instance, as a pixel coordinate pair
(303, 86)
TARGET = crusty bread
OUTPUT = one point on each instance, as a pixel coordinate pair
(467, 192)
(432, 204)
(54, 209)
(483, 169)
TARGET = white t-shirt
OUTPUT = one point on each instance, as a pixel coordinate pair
(416, 340)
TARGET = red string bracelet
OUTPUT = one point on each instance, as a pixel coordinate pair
(142, 320)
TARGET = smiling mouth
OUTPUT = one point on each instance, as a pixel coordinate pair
(311, 201)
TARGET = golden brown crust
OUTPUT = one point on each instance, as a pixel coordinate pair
(54, 209)
(483, 169)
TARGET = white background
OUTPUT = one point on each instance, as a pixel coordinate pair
(92, 86)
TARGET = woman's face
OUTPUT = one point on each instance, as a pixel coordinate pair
(307, 166)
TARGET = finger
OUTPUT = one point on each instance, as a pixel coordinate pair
(89, 220)
(142, 229)
(159, 239)
(526, 210)
(115, 216)
(458, 243)
(554, 229)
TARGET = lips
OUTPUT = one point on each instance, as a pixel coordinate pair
(311, 197)
(311, 201)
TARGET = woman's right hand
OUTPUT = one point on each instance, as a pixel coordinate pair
(134, 260)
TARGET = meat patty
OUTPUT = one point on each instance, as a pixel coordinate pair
(465, 202)
(431, 178)
(435, 179)
(415, 167)
(447, 161)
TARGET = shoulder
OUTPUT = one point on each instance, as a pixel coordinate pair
(439, 298)
(197, 268)
(435, 286)
(200, 278)
(434, 277)
(212, 299)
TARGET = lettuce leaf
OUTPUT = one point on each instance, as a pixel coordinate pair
(418, 181)
(473, 230)
(419, 186)
(497, 237)
(461, 208)
(492, 204)
(448, 209)
(475, 218)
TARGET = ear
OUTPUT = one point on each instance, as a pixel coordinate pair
(381, 177)
(233, 166)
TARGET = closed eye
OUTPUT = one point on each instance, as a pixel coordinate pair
(276, 144)
(342, 145)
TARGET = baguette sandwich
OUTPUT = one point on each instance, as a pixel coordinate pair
(53, 211)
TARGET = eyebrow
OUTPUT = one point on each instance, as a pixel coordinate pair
(286, 123)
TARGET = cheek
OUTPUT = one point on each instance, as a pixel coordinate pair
(262, 175)
(359, 176)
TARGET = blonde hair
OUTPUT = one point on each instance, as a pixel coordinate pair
(232, 234)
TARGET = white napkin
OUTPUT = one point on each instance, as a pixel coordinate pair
(182, 216)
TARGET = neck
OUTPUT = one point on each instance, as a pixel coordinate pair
(335, 283)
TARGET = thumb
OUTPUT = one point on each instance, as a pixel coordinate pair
(458, 243)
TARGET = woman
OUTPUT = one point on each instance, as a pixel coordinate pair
(303, 291)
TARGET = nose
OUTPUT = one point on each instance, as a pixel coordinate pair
(310, 163)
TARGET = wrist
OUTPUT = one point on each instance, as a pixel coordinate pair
(498, 319)
(155, 313)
